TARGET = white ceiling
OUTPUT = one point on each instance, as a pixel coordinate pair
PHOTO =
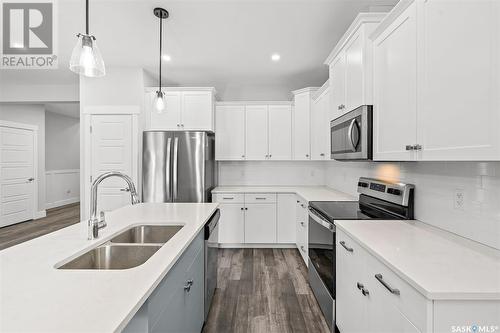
(66, 109)
(224, 43)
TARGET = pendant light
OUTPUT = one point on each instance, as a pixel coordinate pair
(86, 58)
(160, 95)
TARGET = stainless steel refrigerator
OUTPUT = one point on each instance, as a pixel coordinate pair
(178, 166)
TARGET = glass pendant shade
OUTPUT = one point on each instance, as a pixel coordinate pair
(86, 58)
(160, 101)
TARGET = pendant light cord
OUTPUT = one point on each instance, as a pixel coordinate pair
(161, 30)
(87, 17)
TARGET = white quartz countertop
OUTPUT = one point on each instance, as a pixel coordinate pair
(308, 193)
(439, 265)
(37, 297)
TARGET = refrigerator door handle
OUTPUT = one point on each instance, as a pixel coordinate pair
(175, 169)
(168, 166)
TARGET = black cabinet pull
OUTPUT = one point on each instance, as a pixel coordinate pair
(349, 249)
(386, 285)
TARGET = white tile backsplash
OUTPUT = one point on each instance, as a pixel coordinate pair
(436, 184)
(271, 173)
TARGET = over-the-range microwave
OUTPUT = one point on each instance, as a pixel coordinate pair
(351, 135)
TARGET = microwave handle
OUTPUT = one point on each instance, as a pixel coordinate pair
(349, 134)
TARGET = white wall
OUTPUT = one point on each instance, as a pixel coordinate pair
(32, 114)
(436, 184)
(63, 187)
(271, 173)
(62, 142)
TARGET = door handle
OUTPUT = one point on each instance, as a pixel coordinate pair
(352, 126)
(126, 189)
(175, 168)
(31, 179)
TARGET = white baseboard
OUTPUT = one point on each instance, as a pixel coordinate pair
(62, 202)
(257, 246)
(39, 214)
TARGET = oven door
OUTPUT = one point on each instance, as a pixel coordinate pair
(351, 135)
(321, 241)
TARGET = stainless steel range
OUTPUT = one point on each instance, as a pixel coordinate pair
(378, 200)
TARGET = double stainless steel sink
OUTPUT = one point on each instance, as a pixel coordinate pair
(130, 248)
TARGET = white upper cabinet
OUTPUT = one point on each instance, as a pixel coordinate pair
(302, 123)
(170, 117)
(256, 139)
(351, 65)
(395, 95)
(337, 84)
(459, 58)
(230, 132)
(197, 110)
(450, 110)
(320, 124)
(280, 132)
(185, 109)
(253, 131)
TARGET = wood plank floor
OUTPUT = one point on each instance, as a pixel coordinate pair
(263, 290)
(57, 218)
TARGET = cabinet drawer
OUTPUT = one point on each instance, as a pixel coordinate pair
(260, 197)
(229, 197)
(412, 304)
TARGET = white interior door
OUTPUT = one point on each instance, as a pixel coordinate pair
(112, 151)
(17, 175)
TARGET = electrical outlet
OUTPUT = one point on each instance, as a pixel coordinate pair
(458, 199)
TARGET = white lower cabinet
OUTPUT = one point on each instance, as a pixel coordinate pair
(285, 218)
(366, 288)
(370, 297)
(232, 223)
(302, 218)
(260, 223)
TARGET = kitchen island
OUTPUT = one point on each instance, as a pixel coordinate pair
(35, 296)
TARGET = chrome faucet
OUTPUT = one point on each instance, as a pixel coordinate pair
(96, 223)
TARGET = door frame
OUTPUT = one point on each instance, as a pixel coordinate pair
(34, 128)
(86, 148)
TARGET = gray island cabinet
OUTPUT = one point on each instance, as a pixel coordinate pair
(176, 305)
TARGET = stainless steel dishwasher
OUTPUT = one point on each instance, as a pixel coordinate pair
(211, 258)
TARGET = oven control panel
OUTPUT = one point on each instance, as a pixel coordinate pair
(395, 192)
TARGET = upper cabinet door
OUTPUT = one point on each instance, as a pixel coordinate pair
(337, 84)
(320, 127)
(197, 110)
(354, 72)
(395, 80)
(301, 127)
(459, 104)
(170, 117)
(280, 132)
(230, 133)
(256, 129)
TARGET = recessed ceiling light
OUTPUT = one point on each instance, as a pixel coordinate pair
(166, 57)
(275, 57)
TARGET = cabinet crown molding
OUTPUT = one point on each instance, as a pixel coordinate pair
(152, 89)
(399, 8)
(244, 103)
(305, 90)
(321, 90)
(361, 19)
